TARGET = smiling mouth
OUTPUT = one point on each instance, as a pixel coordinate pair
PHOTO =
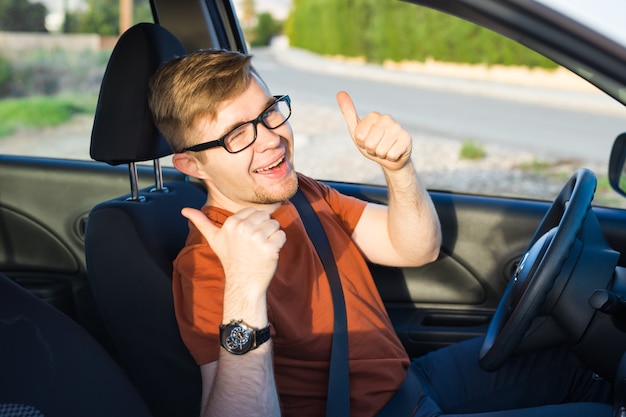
(270, 167)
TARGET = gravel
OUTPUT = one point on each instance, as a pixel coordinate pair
(327, 152)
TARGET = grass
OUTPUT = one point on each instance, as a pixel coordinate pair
(605, 196)
(472, 150)
(536, 165)
(41, 111)
(561, 171)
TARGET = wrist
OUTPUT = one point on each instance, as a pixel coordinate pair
(238, 338)
(242, 305)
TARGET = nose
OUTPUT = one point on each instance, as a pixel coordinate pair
(266, 138)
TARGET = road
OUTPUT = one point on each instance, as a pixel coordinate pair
(500, 114)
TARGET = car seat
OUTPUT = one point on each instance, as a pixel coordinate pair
(131, 241)
(50, 366)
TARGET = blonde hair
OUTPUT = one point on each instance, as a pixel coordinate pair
(193, 86)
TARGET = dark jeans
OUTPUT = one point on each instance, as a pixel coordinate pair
(549, 383)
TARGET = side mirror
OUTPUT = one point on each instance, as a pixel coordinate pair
(617, 168)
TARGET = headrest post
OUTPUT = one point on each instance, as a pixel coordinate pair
(134, 183)
(158, 178)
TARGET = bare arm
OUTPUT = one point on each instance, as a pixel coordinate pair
(247, 246)
(407, 231)
(240, 385)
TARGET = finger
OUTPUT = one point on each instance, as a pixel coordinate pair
(247, 214)
(278, 239)
(384, 139)
(269, 230)
(271, 233)
(348, 110)
(201, 221)
(254, 223)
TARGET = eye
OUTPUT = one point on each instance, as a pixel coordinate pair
(239, 137)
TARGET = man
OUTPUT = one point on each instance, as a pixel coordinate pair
(249, 267)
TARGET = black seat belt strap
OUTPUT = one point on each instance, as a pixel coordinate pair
(338, 402)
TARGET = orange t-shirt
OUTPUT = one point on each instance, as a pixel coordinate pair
(300, 309)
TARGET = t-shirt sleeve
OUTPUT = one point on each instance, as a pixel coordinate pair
(348, 209)
(198, 289)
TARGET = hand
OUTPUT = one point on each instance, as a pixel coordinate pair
(247, 245)
(378, 136)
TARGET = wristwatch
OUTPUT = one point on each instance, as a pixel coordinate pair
(238, 338)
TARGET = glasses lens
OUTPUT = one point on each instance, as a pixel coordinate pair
(243, 136)
(240, 138)
(277, 114)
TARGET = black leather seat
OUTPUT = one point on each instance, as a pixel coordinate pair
(50, 366)
(131, 241)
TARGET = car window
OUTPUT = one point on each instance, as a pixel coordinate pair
(52, 58)
(496, 131)
(492, 128)
(515, 125)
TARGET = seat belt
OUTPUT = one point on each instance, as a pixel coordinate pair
(338, 399)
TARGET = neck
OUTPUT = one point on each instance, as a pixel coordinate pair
(234, 207)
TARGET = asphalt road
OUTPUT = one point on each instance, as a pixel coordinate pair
(556, 123)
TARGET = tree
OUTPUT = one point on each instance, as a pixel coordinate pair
(266, 28)
(22, 16)
(102, 17)
(5, 76)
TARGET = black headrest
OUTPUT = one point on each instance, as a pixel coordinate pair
(123, 130)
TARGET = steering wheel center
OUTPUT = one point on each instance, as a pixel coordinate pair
(525, 271)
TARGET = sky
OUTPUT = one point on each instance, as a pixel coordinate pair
(55, 10)
(278, 8)
(605, 16)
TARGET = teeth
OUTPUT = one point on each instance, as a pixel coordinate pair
(271, 166)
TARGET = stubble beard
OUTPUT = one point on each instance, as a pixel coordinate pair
(280, 194)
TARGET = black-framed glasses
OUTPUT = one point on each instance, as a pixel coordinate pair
(244, 135)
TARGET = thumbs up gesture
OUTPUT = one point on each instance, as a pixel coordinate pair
(247, 245)
(378, 136)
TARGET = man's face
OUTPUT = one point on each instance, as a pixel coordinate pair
(261, 175)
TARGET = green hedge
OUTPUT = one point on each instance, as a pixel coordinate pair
(390, 29)
(5, 75)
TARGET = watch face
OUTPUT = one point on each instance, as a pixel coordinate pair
(237, 339)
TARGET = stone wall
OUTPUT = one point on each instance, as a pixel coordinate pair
(12, 44)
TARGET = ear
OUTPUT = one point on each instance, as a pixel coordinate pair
(188, 164)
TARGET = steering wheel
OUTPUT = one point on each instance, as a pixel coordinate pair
(537, 271)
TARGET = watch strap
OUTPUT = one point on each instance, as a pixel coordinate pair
(261, 336)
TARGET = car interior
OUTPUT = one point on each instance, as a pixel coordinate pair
(51, 363)
(95, 242)
(143, 230)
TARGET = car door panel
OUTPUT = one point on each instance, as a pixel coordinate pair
(453, 298)
(449, 300)
(44, 204)
(29, 245)
(456, 286)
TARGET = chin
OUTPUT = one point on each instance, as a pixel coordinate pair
(279, 193)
